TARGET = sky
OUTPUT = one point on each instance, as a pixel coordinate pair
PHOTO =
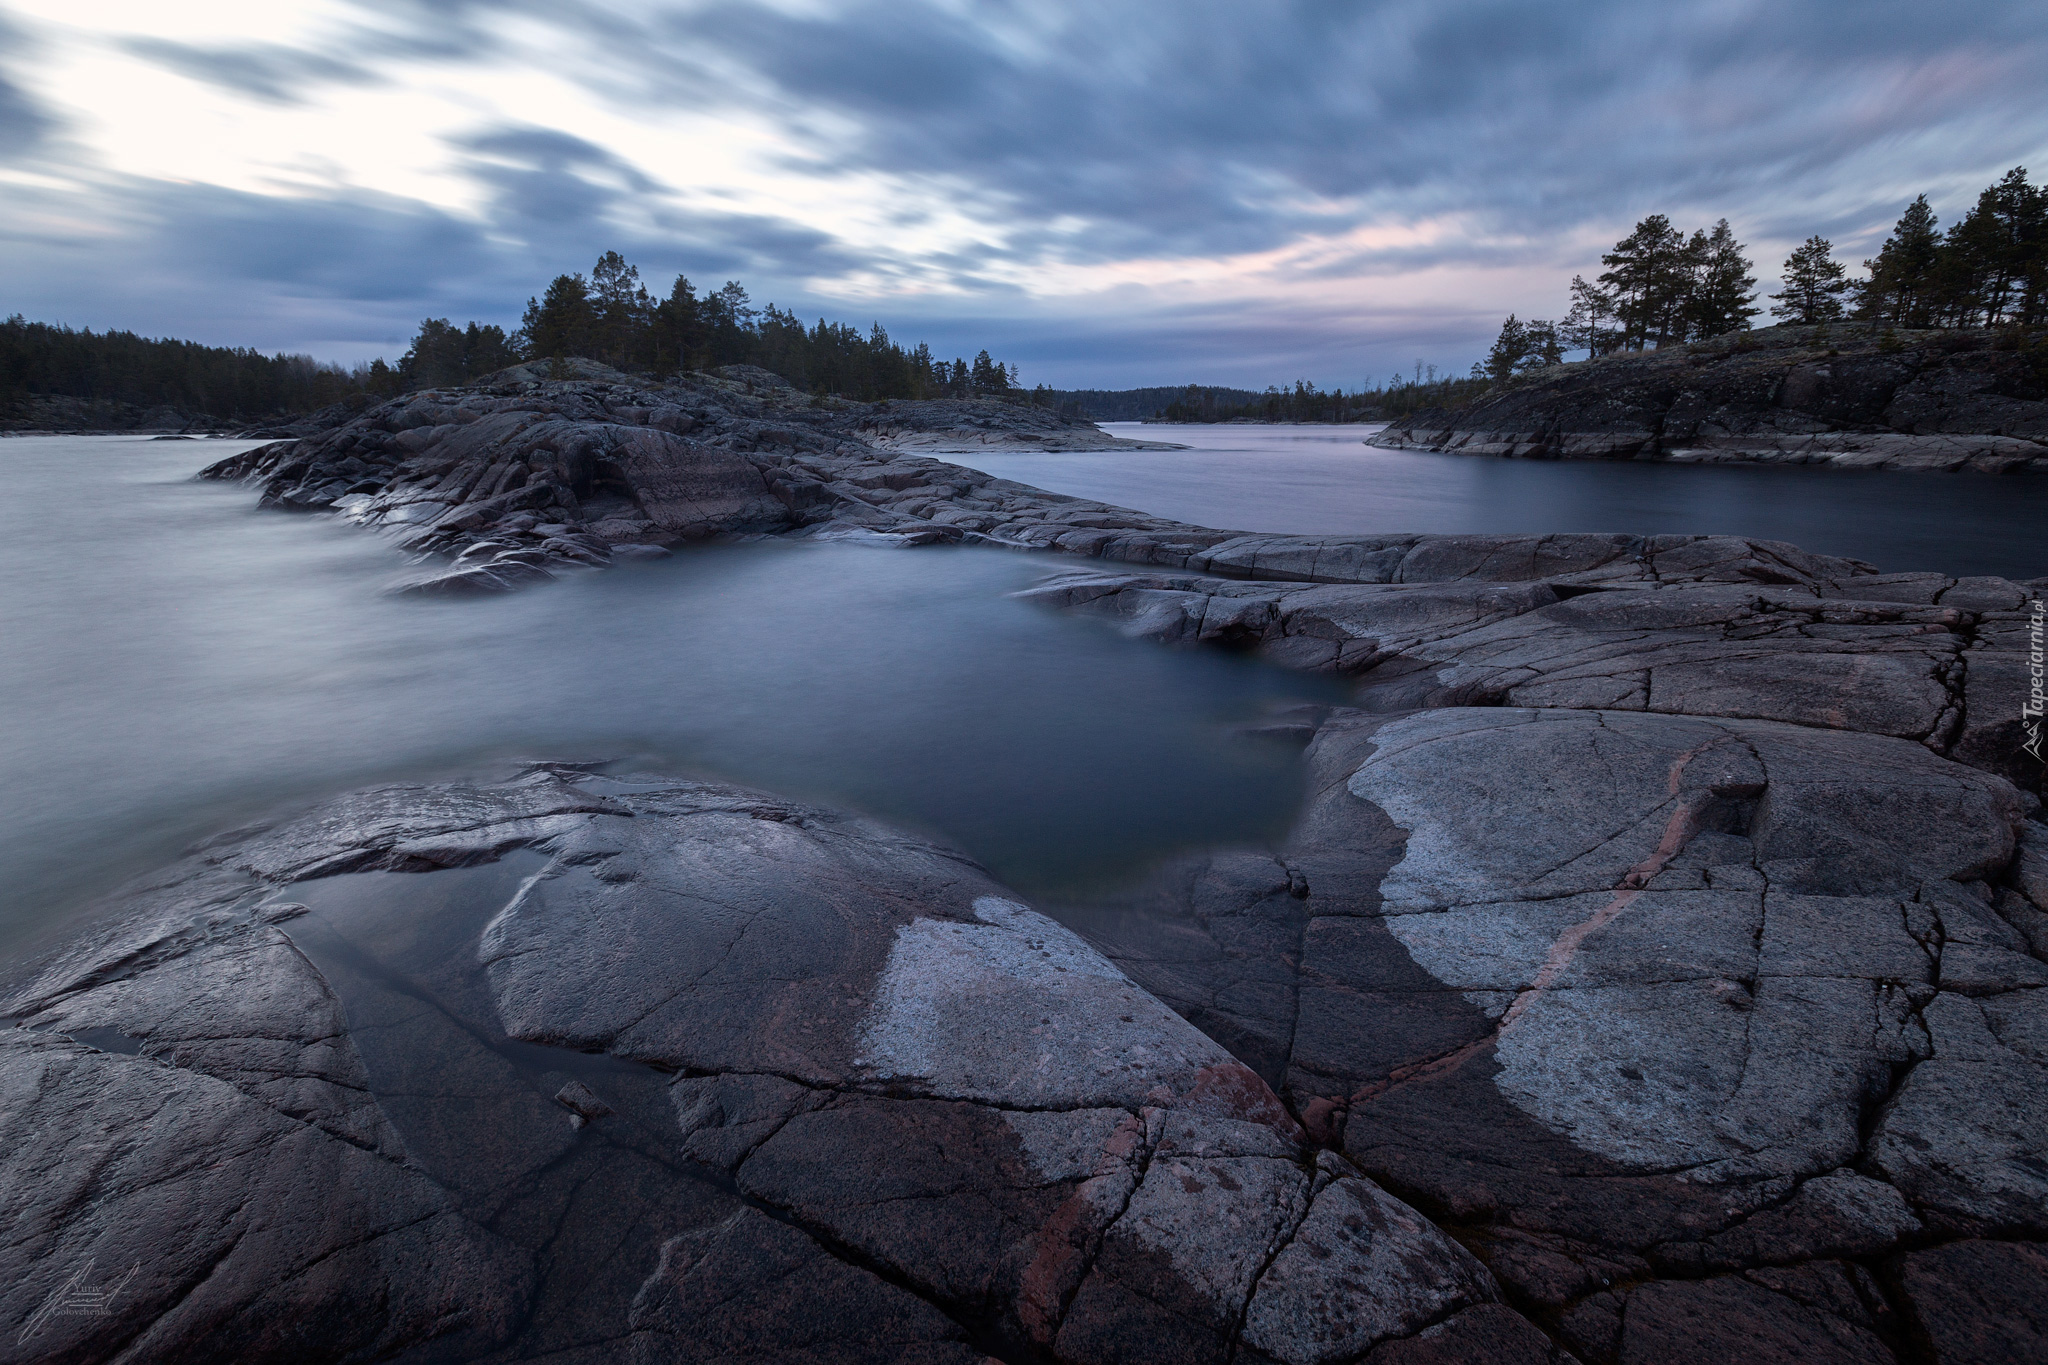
(1106, 194)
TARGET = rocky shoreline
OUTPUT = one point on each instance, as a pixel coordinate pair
(1657, 972)
(1844, 397)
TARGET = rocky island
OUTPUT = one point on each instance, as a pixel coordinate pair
(1657, 971)
(1847, 396)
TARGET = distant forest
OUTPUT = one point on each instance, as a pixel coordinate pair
(608, 317)
(612, 319)
(1663, 288)
(37, 359)
(1402, 394)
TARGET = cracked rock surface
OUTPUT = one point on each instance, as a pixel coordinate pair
(1672, 625)
(586, 1068)
(1657, 972)
(1709, 1036)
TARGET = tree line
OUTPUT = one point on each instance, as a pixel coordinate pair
(607, 316)
(45, 359)
(1305, 402)
(1662, 287)
(610, 317)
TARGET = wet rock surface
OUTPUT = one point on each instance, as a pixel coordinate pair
(588, 1068)
(1701, 626)
(1849, 396)
(1656, 972)
(1697, 1031)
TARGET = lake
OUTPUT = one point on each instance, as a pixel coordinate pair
(1326, 479)
(178, 662)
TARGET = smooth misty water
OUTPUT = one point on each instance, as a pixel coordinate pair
(174, 662)
(177, 662)
(1325, 479)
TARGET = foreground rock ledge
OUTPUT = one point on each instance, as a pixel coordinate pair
(1608, 1035)
(832, 1095)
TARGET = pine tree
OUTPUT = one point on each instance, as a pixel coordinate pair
(1544, 346)
(1649, 273)
(729, 318)
(1996, 254)
(560, 322)
(1902, 284)
(1584, 327)
(1723, 292)
(621, 312)
(1510, 348)
(677, 341)
(987, 376)
(443, 354)
(1814, 284)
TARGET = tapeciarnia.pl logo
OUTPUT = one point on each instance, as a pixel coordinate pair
(2031, 710)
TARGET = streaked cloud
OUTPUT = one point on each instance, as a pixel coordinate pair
(1123, 191)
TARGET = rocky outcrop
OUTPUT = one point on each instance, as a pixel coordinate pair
(1666, 924)
(524, 477)
(607, 1069)
(517, 480)
(1847, 397)
(951, 426)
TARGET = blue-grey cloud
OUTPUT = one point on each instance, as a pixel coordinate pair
(1203, 127)
(266, 71)
(1198, 128)
(24, 124)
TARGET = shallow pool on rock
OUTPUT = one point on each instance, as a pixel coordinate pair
(178, 663)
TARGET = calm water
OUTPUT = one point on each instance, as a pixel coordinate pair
(177, 662)
(1324, 479)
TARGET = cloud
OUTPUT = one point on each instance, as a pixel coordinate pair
(267, 72)
(1129, 185)
(25, 125)
(1201, 127)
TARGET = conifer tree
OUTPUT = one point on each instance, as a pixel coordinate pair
(677, 339)
(1649, 273)
(1723, 291)
(1585, 326)
(1901, 288)
(443, 354)
(560, 322)
(621, 311)
(1996, 254)
(1814, 284)
(1509, 349)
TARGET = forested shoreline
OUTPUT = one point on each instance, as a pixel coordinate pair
(1662, 288)
(117, 378)
(110, 371)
